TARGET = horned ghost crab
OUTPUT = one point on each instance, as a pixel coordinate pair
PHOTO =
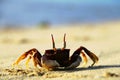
(57, 57)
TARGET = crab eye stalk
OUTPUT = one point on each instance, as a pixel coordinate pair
(64, 42)
(53, 43)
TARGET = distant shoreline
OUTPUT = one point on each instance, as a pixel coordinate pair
(20, 12)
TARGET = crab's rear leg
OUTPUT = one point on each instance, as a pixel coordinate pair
(31, 54)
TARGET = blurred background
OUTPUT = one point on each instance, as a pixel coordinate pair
(26, 24)
(29, 13)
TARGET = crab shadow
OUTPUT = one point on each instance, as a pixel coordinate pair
(90, 68)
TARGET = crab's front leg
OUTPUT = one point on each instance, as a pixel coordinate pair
(75, 59)
(89, 53)
(31, 54)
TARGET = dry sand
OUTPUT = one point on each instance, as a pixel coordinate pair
(102, 39)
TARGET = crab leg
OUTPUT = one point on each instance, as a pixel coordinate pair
(84, 58)
(37, 59)
(90, 54)
(27, 61)
(32, 53)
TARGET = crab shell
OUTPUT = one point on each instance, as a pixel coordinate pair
(60, 56)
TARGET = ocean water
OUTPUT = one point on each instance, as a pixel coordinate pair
(34, 12)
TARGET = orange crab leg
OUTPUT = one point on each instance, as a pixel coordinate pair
(89, 53)
(27, 61)
(32, 53)
(84, 58)
(23, 56)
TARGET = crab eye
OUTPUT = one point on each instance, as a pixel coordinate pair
(53, 42)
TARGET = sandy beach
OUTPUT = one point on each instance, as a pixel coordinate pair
(102, 39)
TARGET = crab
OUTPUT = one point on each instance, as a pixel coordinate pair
(57, 57)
